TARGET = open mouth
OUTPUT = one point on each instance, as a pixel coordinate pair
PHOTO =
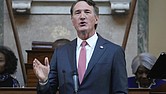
(82, 24)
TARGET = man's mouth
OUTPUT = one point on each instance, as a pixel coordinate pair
(82, 24)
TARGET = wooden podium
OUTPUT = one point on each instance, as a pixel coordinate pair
(10, 90)
(139, 91)
(32, 90)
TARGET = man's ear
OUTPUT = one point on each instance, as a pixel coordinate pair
(97, 18)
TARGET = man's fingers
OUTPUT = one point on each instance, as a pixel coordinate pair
(37, 62)
(46, 61)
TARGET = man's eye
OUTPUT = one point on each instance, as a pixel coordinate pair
(77, 12)
(87, 11)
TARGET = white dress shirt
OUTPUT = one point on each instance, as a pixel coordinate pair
(91, 42)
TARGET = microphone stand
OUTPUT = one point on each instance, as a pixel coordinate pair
(75, 79)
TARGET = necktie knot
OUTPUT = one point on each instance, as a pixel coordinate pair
(84, 43)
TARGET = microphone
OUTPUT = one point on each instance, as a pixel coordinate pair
(63, 71)
(75, 79)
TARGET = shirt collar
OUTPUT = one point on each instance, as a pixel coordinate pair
(91, 41)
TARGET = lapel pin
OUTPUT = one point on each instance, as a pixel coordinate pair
(101, 47)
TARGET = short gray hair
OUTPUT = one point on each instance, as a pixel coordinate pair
(145, 59)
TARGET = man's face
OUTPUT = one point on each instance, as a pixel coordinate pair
(141, 76)
(84, 20)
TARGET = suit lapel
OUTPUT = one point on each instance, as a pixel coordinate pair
(97, 54)
(72, 55)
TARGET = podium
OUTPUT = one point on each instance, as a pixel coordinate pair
(159, 90)
(10, 90)
(25, 90)
(139, 91)
(32, 90)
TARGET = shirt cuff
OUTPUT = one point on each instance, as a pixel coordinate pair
(43, 83)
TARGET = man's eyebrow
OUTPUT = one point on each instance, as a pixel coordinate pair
(87, 10)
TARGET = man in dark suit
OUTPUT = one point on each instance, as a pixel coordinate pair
(105, 65)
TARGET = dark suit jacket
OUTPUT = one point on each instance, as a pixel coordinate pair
(106, 72)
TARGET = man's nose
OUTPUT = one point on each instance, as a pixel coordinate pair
(82, 16)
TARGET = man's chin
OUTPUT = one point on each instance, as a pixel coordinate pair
(83, 31)
(83, 28)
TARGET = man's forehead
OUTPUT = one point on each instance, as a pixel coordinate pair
(82, 5)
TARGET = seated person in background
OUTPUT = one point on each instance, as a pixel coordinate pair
(141, 65)
(60, 42)
(8, 66)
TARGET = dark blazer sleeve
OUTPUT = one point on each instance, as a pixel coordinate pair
(119, 73)
(52, 85)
